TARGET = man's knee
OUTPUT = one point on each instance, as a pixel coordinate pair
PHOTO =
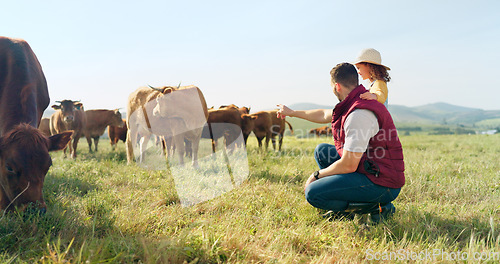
(322, 148)
(317, 200)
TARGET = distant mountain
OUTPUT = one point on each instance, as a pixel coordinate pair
(436, 113)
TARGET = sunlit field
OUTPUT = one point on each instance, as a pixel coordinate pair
(102, 210)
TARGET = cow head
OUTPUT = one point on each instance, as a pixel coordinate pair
(24, 162)
(68, 109)
(163, 101)
(117, 119)
(244, 110)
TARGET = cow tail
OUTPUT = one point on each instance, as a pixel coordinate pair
(290, 126)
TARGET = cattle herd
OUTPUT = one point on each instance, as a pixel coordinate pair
(177, 116)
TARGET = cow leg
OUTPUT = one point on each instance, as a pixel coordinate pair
(214, 144)
(143, 143)
(281, 141)
(180, 148)
(75, 145)
(259, 139)
(195, 145)
(129, 148)
(273, 140)
(71, 143)
(89, 141)
(96, 142)
(245, 138)
(268, 136)
(189, 148)
(164, 150)
(194, 137)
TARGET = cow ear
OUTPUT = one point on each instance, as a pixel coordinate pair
(56, 107)
(59, 141)
(78, 106)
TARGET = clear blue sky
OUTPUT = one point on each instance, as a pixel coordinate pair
(260, 53)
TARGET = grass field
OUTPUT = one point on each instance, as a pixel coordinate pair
(102, 210)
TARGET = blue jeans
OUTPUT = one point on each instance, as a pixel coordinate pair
(335, 192)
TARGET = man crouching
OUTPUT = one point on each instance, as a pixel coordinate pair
(364, 171)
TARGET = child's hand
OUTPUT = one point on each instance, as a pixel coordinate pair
(368, 96)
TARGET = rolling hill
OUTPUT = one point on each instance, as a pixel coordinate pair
(429, 114)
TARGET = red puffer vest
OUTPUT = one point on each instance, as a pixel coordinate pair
(383, 161)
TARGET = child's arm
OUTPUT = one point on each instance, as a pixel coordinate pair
(378, 92)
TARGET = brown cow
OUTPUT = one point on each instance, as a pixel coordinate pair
(222, 122)
(97, 121)
(44, 126)
(171, 112)
(24, 150)
(324, 130)
(262, 125)
(117, 133)
(247, 121)
(268, 125)
(69, 115)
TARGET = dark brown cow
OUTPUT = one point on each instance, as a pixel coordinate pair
(247, 121)
(24, 150)
(223, 122)
(97, 121)
(262, 125)
(44, 126)
(324, 130)
(117, 133)
(69, 115)
(171, 112)
(228, 115)
(268, 125)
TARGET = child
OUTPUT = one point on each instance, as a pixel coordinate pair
(369, 65)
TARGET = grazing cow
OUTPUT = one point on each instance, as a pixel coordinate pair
(171, 112)
(69, 115)
(324, 130)
(24, 150)
(117, 133)
(228, 115)
(222, 122)
(247, 125)
(262, 127)
(44, 126)
(97, 121)
(268, 125)
(247, 121)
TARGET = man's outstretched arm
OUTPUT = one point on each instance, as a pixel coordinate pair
(322, 116)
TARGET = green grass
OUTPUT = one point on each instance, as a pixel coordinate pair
(102, 210)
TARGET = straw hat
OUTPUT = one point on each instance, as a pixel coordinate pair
(370, 56)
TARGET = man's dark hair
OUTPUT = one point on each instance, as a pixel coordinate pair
(345, 74)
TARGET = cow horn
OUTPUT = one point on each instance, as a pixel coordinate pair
(156, 89)
(178, 86)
